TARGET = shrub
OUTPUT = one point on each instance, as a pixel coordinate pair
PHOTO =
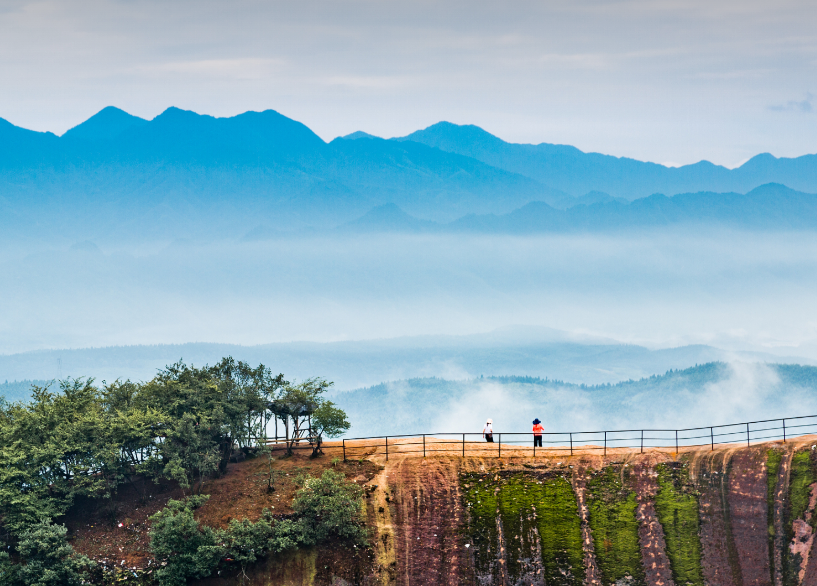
(46, 559)
(329, 507)
(185, 549)
(325, 507)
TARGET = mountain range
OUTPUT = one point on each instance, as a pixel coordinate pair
(714, 393)
(514, 350)
(117, 176)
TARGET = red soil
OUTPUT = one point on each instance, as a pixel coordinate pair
(241, 493)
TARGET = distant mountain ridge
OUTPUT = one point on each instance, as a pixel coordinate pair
(524, 351)
(575, 172)
(695, 396)
(768, 207)
(118, 176)
(182, 171)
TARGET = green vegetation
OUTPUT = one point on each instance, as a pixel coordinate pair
(802, 475)
(183, 425)
(539, 517)
(677, 507)
(801, 479)
(774, 458)
(45, 559)
(326, 507)
(614, 526)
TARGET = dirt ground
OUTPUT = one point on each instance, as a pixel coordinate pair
(241, 493)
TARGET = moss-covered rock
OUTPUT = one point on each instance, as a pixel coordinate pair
(526, 524)
(676, 504)
(614, 526)
(802, 476)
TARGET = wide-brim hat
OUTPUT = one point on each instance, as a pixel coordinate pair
(536, 421)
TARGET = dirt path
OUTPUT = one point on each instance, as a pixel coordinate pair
(426, 513)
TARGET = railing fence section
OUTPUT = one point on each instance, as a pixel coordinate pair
(522, 443)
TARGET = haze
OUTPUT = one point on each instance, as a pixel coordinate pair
(669, 287)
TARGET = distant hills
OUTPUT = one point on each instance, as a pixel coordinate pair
(768, 207)
(707, 394)
(568, 169)
(117, 176)
(515, 350)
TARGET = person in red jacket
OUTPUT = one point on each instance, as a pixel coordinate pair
(537, 433)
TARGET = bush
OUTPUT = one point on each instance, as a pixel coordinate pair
(329, 507)
(185, 549)
(46, 559)
(325, 507)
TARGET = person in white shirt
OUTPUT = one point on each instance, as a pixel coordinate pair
(488, 431)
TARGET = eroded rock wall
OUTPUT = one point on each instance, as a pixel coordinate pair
(735, 517)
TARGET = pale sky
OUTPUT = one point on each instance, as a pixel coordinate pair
(668, 81)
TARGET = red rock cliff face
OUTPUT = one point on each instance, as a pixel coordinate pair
(736, 507)
(745, 533)
(748, 508)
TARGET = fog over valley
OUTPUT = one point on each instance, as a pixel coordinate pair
(128, 244)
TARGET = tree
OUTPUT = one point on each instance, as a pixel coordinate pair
(181, 546)
(47, 559)
(330, 421)
(329, 507)
(298, 401)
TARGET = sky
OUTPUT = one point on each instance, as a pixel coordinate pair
(659, 80)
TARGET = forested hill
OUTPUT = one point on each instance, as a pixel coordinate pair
(120, 177)
(707, 394)
(19, 390)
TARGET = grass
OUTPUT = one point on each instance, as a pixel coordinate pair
(677, 506)
(614, 526)
(539, 519)
(802, 476)
(773, 460)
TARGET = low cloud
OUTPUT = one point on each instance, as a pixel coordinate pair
(805, 106)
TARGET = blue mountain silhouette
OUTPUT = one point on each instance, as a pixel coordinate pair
(568, 169)
(106, 124)
(119, 176)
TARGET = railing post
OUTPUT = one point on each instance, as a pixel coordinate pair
(784, 431)
(605, 443)
(463, 445)
(747, 435)
(534, 446)
(676, 441)
(642, 441)
(571, 444)
(424, 445)
(712, 438)
(500, 444)
(387, 448)
(344, 450)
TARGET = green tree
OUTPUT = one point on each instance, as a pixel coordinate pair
(328, 420)
(46, 559)
(297, 400)
(183, 548)
(329, 507)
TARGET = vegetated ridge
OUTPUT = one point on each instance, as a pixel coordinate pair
(706, 394)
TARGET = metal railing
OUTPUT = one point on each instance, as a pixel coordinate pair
(569, 443)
